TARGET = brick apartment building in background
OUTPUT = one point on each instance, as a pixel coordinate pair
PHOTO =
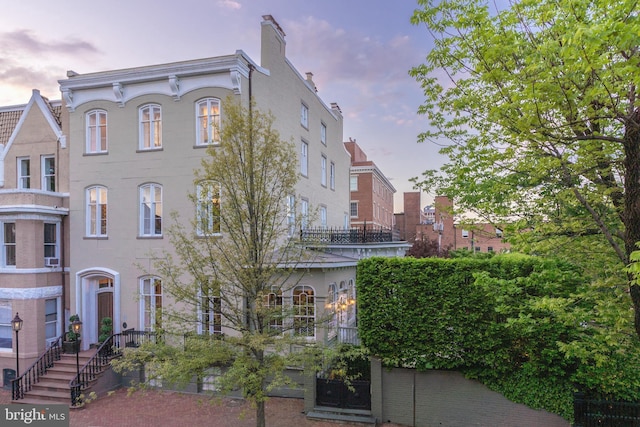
(371, 192)
(435, 222)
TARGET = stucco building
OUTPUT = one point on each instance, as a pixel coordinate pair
(137, 135)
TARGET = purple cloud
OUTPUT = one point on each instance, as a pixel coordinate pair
(25, 42)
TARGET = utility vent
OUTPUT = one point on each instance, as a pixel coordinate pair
(51, 262)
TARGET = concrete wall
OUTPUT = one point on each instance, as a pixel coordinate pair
(444, 398)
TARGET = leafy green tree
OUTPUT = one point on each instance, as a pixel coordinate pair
(539, 105)
(231, 267)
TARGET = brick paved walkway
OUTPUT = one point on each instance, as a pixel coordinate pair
(171, 409)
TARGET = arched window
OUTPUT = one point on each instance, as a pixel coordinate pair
(304, 311)
(150, 118)
(273, 304)
(96, 137)
(96, 211)
(208, 121)
(150, 210)
(151, 303)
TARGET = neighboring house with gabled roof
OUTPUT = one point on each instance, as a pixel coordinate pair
(34, 208)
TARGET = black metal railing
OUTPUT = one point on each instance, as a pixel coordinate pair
(112, 347)
(32, 375)
(590, 412)
(338, 236)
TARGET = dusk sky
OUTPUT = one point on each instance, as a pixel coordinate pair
(359, 51)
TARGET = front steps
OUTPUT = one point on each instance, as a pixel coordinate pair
(326, 413)
(53, 387)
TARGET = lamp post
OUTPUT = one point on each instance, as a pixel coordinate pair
(16, 325)
(76, 326)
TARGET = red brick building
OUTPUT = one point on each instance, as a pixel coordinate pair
(371, 192)
(436, 222)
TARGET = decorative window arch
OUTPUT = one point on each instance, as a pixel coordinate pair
(150, 119)
(273, 304)
(208, 121)
(96, 133)
(96, 211)
(150, 210)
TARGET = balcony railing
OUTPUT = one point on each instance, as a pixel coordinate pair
(338, 236)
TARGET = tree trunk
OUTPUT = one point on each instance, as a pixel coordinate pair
(631, 214)
(260, 416)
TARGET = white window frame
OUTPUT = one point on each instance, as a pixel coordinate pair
(323, 170)
(55, 244)
(323, 133)
(464, 233)
(24, 173)
(352, 210)
(208, 122)
(353, 183)
(48, 174)
(208, 205)
(323, 216)
(57, 326)
(96, 133)
(332, 175)
(291, 215)
(151, 225)
(6, 315)
(304, 312)
(150, 128)
(9, 244)
(96, 211)
(272, 302)
(499, 233)
(150, 302)
(209, 314)
(304, 158)
(304, 213)
(304, 115)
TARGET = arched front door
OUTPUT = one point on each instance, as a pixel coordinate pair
(104, 295)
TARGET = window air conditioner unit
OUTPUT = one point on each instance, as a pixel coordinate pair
(51, 262)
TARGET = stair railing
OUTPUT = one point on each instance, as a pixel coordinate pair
(32, 375)
(111, 348)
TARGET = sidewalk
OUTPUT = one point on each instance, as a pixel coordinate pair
(172, 409)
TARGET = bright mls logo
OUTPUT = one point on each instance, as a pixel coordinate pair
(34, 415)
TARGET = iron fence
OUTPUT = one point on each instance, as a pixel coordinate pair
(590, 412)
(338, 236)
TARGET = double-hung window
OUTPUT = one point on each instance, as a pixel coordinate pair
(323, 171)
(96, 215)
(50, 240)
(48, 165)
(9, 244)
(323, 133)
(151, 301)
(24, 172)
(304, 158)
(353, 183)
(332, 176)
(304, 213)
(353, 210)
(304, 116)
(151, 210)
(6, 332)
(208, 121)
(210, 313)
(323, 216)
(52, 326)
(150, 137)
(291, 214)
(208, 208)
(96, 132)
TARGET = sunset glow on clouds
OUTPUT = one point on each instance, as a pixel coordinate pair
(360, 52)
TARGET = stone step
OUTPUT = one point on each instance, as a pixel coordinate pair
(46, 384)
(49, 396)
(342, 415)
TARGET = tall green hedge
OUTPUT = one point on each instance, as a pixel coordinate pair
(501, 320)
